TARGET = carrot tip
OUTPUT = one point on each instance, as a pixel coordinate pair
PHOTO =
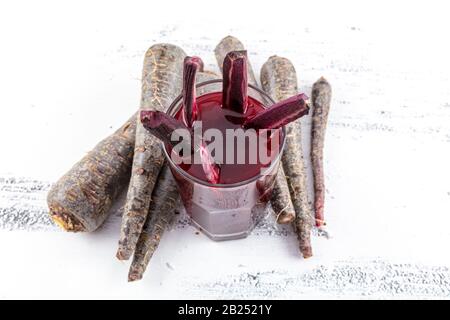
(134, 276)
(121, 255)
(306, 252)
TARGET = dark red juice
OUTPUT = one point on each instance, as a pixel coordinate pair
(212, 115)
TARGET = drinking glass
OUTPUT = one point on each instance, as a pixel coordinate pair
(225, 211)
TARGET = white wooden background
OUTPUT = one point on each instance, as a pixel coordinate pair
(70, 74)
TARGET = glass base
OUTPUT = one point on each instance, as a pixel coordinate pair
(221, 237)
(227, 225)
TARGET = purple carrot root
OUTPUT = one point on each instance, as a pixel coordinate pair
(161, 83)
(281, 199)
(80, 200)
(279, 80)
(321, 99)
(191, 66)
(235, 83)
(162, 210)
(280, 114)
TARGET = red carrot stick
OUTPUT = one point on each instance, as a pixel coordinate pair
(235, 84)
(321, 98)
(161, 125)
(191, 66)
(280, 114)
(228, 44)
(211, 169)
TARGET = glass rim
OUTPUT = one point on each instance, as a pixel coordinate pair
(190, 177)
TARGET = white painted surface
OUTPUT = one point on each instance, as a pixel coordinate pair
(70, 74)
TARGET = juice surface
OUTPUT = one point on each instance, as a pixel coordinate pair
(212, 115)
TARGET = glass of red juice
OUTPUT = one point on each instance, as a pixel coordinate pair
(230, 208)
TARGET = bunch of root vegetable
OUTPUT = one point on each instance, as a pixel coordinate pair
(81, 200)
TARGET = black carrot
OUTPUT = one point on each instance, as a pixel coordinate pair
(162, 209)
(279, 79)
(321, 99)
(161, 82)
(80, 200)
(281, 199)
